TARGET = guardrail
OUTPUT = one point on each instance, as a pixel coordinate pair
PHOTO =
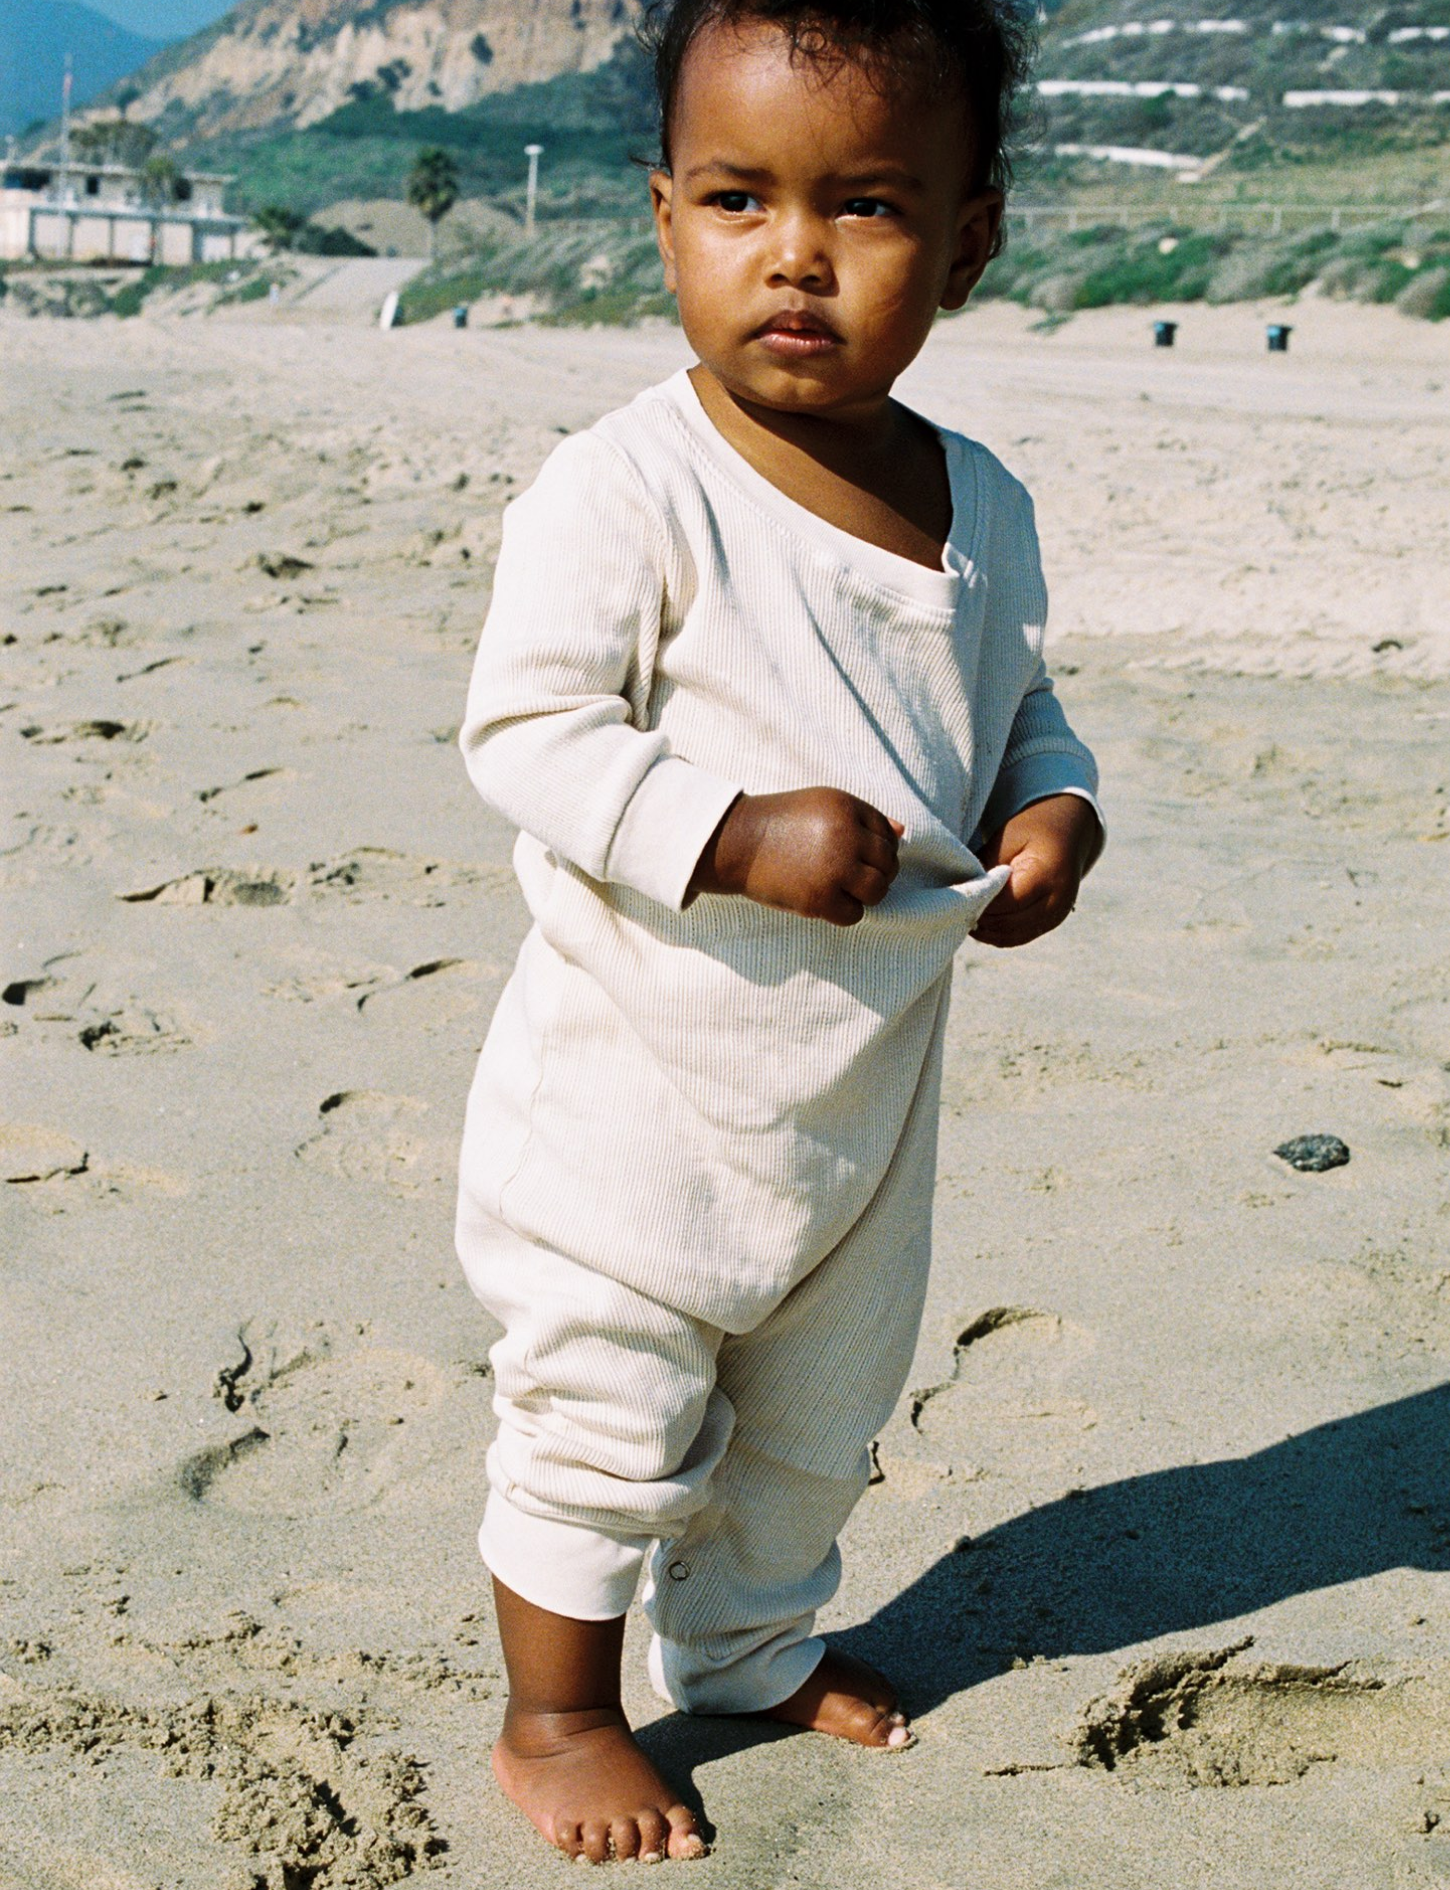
(1268, 219)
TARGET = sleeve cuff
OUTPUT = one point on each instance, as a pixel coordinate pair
(665, 828)
(1036, 778)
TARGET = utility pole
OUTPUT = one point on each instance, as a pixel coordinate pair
(65, 90)
(532, 152)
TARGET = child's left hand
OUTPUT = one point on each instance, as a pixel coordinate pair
(1049, 846)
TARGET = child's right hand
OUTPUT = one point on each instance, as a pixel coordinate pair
(816, 851)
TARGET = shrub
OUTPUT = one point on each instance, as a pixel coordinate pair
(1428, 296)
(1057, 294)
(314, 240)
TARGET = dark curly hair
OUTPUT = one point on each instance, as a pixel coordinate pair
(979, 50)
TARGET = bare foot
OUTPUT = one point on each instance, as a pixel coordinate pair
(847, 1698)
(584, 1782)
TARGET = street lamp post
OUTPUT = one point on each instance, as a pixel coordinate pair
(65, 92)
(532, 152)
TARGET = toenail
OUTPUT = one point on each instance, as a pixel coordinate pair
(651, 1857)
(898, 1736)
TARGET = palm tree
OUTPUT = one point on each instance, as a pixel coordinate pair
(159, 181)
(433, 189)
(113, 141)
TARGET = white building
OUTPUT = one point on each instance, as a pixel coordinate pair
(71, 212)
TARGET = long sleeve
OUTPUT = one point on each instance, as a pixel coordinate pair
(1042, 756)
(552, 736)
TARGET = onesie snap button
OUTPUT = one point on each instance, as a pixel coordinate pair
(677, 1571)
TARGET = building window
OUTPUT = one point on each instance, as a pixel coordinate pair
(181, 190)
(93, 186)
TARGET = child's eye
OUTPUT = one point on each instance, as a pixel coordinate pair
(868, 207)
(734, 202)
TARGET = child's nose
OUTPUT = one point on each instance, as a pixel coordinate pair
(801, 255)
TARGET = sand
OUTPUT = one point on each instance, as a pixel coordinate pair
(1160, 1544)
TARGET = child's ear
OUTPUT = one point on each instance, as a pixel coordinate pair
(978, 222)
(661, 185)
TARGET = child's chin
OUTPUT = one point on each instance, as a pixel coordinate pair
(801, 384)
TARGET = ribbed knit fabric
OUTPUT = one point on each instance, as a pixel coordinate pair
(623, 1420)
(698, 1163)
(700, 1100)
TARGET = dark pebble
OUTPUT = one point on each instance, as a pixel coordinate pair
(1312, 1154)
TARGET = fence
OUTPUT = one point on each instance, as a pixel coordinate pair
(1264, 219)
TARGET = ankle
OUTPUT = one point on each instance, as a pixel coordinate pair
(561, 1721)
(534, 1732)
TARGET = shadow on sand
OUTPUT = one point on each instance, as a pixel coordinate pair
(1157, 1554)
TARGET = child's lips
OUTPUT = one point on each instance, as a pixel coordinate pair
(796, 334)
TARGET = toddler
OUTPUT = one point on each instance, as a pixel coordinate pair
(762, 686)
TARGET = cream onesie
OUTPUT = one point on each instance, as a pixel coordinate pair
(697, 1168)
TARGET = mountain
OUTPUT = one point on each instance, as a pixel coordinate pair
(36, 35)
(309, 101)
(289, 64)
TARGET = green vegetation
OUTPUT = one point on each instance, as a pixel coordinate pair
(433, 189)
(132, 295)
(112, 141)
(284, 229)
(584, 271)
(315, 239)
(43, 288)
(1390, 261)
(591, 125)
(278, 226)
(608, 271)
(161, 182)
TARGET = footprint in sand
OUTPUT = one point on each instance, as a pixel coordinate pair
(231, 788)
(111, 1023)
(218, 886)
(1009, 1362)
(322, 978)
(98, 729)
(302, 1796)
(369, 1136)
(433, 993)
(131, 1030)
(380, 873)
(110, 633)
(1200, 1719)
(324, 1433)
(31, 1152)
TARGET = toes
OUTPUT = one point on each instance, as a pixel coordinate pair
(624, 1838)
(568, 1839)
(897, 1734)
(684, 1839)
(595, 1835)
(887, 1729)
(654, 1837)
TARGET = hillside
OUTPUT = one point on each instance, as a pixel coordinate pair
(36, 35)
(1189, 90)
(289, 64)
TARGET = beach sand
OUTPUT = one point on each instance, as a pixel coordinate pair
(1160, 1545)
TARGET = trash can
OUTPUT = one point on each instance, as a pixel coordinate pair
(460, 316)
(1279, 334)
(1163, 333)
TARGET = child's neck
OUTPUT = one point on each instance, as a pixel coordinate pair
(880, 476)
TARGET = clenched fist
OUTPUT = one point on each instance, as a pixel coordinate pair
(816, 851)
(1049, 845)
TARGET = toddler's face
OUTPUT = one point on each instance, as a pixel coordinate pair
(813, 222)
